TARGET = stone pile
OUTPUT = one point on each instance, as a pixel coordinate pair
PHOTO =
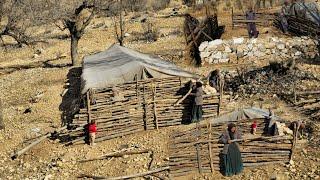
(268, 48)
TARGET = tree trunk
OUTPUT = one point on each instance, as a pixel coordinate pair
(1, 116)
(74, 50)
(121, 25)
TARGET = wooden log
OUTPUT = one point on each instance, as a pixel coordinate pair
(210, 146)
(116, 154)
(183, 98)
(15, 155)
(129, 176)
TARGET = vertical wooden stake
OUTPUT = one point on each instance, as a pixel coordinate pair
(209, 145)
(88, 106)
(145, 108)
(136, 85)
(221, 84)
(293, 141)
(232, 18)
(155, 105)
(198, 149)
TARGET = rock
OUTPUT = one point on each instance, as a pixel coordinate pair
(127, 35)
(47, 177)
(35, 56)
(216, 42)
(298, 53)
(238, 40)
(205, 54)
(203, 46)
(291, 162)
(217, 55)
(39, 51)
(281, 46)
(227, 49)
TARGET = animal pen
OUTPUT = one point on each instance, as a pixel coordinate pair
(135, 102)
(261, 19)
(197, 149)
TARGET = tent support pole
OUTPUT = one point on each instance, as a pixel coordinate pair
(88, 106)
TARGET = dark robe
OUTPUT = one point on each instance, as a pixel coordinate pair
(231, 161)
(251, 26)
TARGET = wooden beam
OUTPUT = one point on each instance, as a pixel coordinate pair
(128, 176)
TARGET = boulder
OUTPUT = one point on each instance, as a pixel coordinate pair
(205, 54)
(203, 46)
(217, 55)
(216, 42)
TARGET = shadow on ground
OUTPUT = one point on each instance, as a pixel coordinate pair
(71, 99)
(45, 64)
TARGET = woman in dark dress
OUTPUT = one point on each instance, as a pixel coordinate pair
(231, 161)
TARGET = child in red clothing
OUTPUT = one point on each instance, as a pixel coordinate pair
(254, 127)
(92, 129)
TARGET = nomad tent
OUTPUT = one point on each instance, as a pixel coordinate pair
(118, 65)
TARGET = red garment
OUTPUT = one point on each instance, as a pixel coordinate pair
(254, 125)
(92, 128)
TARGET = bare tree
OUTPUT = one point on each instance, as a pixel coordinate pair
(17, 16)
(74, 16)
(117, 11)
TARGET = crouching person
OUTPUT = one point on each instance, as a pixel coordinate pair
(92, 129)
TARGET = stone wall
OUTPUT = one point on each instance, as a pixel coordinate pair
(268, 48)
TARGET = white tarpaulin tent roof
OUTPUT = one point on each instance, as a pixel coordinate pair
(242, 114)
(119, 65)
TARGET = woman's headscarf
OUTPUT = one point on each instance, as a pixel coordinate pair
(231, 134)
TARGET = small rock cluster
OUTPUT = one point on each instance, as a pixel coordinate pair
(222, 51)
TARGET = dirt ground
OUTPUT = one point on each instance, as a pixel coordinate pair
(31, 87)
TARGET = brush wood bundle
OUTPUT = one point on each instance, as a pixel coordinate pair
(141, 105)
(198, 149)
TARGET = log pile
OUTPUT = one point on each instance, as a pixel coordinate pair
(262, 19)
(144, 105)
(198, 149)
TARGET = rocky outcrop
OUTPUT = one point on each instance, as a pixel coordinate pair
(221, 51)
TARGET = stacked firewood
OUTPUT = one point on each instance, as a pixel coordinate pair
(198, 149)
(139, 106)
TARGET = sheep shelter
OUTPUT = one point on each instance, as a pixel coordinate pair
(126, 91)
